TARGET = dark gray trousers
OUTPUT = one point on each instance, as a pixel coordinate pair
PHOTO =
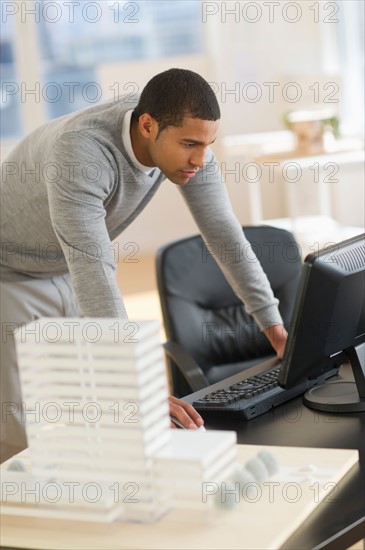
(20, 303)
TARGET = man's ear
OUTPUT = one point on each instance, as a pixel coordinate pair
(148, 126)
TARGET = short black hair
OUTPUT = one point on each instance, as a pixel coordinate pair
(174, 94)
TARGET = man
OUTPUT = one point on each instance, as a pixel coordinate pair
(77, 182)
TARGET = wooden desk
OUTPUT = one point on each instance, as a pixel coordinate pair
(266, 519)
(336, 524)
(333, 525)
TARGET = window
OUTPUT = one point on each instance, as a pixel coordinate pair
(75, 37)
(350, 36)
(10, 107)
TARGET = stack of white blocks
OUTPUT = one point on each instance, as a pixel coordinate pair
(98, 425)
(193, 465)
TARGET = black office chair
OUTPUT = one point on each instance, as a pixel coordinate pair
(210, 335)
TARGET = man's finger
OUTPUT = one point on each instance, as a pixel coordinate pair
(185, 413)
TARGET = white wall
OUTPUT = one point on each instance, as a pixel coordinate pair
(263, 52)
(130, 77)
(239, 52)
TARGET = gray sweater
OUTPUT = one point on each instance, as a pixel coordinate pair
(69, 188)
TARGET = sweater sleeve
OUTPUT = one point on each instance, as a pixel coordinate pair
(206, 197)
(82, 180)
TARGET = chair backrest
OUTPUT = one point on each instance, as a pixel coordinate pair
(201, 311)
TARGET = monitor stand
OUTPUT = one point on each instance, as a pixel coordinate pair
(341, 396)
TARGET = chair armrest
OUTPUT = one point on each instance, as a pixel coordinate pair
(191, 371)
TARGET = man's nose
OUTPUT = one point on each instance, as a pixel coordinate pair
(197, 159)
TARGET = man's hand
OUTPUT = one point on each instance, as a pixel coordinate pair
(185, 413)
(277, 337)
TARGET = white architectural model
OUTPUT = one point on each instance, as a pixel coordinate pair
(98, 427)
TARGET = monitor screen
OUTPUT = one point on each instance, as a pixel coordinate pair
(328, 326)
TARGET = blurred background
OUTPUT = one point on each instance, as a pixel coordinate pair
(289, 77)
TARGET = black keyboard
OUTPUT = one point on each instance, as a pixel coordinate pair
(253, 396)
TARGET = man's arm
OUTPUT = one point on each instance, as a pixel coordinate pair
(76, 202)
(208, 201)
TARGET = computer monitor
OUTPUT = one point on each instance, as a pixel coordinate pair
(328, 327)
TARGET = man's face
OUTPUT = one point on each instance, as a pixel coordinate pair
(179, 151)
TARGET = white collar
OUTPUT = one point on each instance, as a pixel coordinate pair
(127, 142)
